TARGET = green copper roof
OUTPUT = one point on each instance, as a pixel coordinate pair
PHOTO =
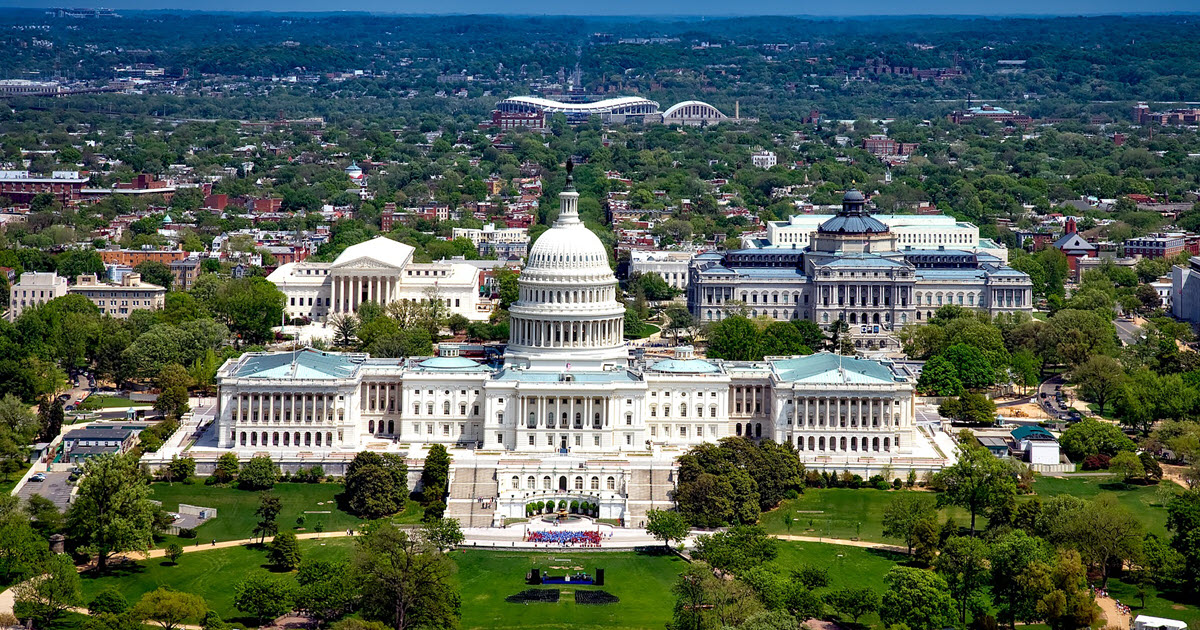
(831, 368)
(304, 364)
(685, 366)
(448, 363)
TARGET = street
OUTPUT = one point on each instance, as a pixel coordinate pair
(1128, 331)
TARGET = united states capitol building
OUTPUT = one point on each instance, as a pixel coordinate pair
(876, 275)
(567, 413)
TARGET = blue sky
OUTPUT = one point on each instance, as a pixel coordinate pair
(823, 8)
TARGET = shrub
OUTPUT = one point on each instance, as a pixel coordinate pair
(187, 532)
(1098, 461)
(791, 494)
(574, 507)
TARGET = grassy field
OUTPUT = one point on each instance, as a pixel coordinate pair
(107, 402)
(643, 582)
(843, 513)
(235, 508)
(1156, 605)
(1142, 500)
(209, 574)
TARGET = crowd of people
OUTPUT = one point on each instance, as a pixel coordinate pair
(1121, 608)
(566, 538)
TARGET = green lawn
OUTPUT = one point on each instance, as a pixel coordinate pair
(843, 513)
(643, 582)
(848, 566)
(107, 402)
(209, 574)
(1157, 605)
(235, 508)
(1142, 500)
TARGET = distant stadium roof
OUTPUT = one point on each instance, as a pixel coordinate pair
(693, 109)
(608, 105)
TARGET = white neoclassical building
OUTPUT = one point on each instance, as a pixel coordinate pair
(566, 414)
(380, 270)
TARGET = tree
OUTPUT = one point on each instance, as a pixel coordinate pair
(781, 339)
(666, 525)
(679, 320)
(22, 550)
(268, 510)
(173, 381)
(112, 511)
(734, 339)
(969, 408)
(977, 482)
(457, 323)
(855, 602)
(376, 485)
(260, 473)
(1099, 379)
(262, 597)
(325, 591)
(963, 564)
(284, 551)
(939, 378)
(435, 474)
(54, 588)
(738, 549)
(1091, 437)
(1019, 567)
(170, 609)
(975, 370)
(404, 580)
(906, 510)
(108, 601)
(227, 468)
(915, 598)
(1108, 534)
(249, 307)
(345, 328)
(174, 552)
(1127, 465)
(156, 272)
(181, 468)
(442, 533)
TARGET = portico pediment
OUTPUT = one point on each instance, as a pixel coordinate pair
(365, 264)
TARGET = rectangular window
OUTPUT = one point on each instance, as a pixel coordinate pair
(531, 440)
(499, 438)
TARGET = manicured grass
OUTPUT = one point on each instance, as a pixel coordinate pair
(209, 574)
(1169, 605)
(9, 481)
(107, 402)
(642, 581)
(235, 508)
(845, 513)
(848, 566)
(1142, 500)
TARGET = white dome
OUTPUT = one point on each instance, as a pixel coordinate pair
(567, 315)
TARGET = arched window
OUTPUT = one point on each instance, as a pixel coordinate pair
(516, 482)
(578, 483)
(739, 428)
(531, 483)
(612, 483)
(595, 483)
(546, 482)
(445, 407)
(429, 409)
(416, 409)
(682, 411)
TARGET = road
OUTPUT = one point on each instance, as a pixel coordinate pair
(1128, 331)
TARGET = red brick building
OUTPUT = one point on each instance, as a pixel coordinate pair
(22, 186)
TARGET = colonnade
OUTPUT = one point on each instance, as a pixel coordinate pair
(556, 333)
(278, 407)
(844, 412)
(555, 412)
(349, 291)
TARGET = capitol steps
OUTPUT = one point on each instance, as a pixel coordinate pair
(648, 489)
(472, 497)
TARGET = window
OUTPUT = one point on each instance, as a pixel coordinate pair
(579, 483)
(612, 483)
(531, 440)
(499, 438)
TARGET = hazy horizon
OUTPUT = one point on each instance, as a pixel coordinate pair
(672, 8)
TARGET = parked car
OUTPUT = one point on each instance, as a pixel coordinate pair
(38, 477)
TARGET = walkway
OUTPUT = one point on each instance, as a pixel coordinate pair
(862, 544)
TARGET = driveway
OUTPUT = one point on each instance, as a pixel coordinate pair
(55, 488)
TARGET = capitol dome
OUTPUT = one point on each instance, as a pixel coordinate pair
(567, 316)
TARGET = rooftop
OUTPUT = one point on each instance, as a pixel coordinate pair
(303, 364)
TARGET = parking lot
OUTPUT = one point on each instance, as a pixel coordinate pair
(55, 488)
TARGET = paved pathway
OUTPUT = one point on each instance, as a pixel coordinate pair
(843, 542)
